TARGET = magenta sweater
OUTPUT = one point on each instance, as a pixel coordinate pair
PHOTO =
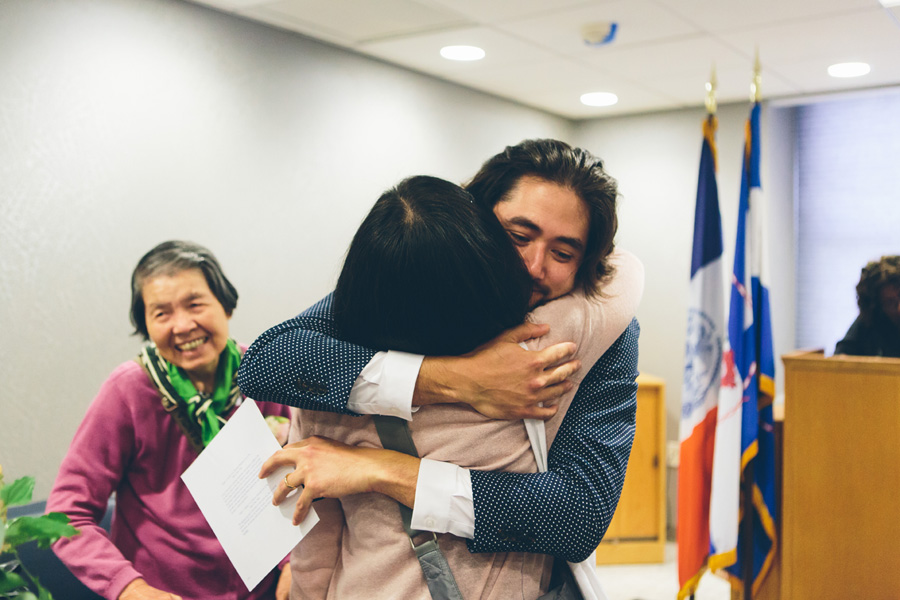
(129, 445)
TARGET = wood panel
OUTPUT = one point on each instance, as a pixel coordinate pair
(841, 496)
(637, 533)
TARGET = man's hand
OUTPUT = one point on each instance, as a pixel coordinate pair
(500, 379)
(325, 468)
(141, 590)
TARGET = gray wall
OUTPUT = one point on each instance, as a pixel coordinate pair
(127, 122)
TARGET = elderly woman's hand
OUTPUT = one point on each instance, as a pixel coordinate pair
(283, 589)
(141, 590)
(325, 468)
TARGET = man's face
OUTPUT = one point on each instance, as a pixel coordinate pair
(548, 224)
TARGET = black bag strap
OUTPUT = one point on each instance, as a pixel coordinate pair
(395, 435)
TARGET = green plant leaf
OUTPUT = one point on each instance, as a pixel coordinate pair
(43, 593)
(18, 492)
(58, 517)
(10, 582)
(46, 529)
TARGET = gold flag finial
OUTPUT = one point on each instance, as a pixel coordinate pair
(711, 86)
(755, 87)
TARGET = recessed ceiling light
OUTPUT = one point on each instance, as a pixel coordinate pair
(889, 3)
(462, 52)
(599, 99)
(850, 69)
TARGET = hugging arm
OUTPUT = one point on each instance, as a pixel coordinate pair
(566, 510)
(302, 363)
(294, 363)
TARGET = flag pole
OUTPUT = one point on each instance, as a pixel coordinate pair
(756, 84)
(747, 479)
(711, 87)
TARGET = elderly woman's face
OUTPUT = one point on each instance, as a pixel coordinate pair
(186, 321)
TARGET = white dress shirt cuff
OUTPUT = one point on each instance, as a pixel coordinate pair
(444, 499)
(385, 386)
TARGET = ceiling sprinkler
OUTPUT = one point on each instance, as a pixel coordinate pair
(599, 34)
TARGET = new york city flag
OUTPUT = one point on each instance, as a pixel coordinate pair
(702, 373)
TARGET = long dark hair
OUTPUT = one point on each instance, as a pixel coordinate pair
(429, 272)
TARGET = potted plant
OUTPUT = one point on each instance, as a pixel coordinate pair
(15, 580)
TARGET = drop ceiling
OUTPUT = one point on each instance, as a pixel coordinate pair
(660, 58)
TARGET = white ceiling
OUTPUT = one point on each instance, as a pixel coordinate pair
(660, 58)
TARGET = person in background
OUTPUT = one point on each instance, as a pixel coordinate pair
(149, 421)
(876, 331)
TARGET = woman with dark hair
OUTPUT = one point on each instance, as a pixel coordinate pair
(428, 272)
(149, 421)
(876, 331)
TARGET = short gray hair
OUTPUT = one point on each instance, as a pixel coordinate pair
(173, 257)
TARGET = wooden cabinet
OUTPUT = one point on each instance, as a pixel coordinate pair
(637, 533)
(841, 521)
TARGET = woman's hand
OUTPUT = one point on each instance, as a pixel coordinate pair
(283, 589)
(141, 590)
(325, 468)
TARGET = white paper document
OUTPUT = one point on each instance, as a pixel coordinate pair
(254, 533)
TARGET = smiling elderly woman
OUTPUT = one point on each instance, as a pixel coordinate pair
(148, 423)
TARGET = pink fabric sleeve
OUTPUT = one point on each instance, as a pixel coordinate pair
(91, 470)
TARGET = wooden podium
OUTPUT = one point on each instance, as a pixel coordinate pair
(637, 532)
(841, 477)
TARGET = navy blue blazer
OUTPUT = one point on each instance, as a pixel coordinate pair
(563, 512)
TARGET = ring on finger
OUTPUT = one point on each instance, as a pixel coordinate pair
(288, 485)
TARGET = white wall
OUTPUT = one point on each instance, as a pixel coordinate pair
(656, 158)
(127, 122)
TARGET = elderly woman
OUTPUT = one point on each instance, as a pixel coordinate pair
(876, 331)
(429, 272)
(148, 423)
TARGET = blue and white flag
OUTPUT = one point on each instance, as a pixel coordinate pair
(745, 440)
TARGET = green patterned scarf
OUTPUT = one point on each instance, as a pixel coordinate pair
(206, 410)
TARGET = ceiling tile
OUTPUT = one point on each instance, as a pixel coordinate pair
(811, 76)
(231, 5)
(539, 76)
(422, 51)
(362, 21)
(829, 40)
(493, 11)
(631, 100)
(690, 56)
(638, 21)
(724, 16)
